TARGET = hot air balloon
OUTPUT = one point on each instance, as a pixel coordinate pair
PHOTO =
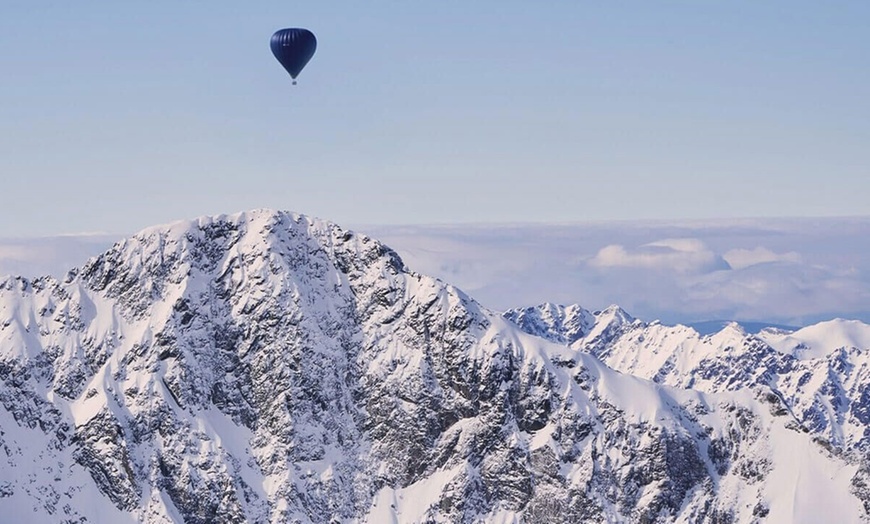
(293, 47)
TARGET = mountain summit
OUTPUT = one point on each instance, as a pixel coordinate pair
(269, 367)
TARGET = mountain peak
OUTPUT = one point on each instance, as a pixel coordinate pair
(554, 322)
(614, 314)
(269, 367)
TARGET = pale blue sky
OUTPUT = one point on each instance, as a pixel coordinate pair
(118, 115)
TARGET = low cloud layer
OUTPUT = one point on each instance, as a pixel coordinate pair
(743, 258)
(32, 257)
(781, 271)
(684, 255)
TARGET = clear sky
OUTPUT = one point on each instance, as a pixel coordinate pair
(118, 115)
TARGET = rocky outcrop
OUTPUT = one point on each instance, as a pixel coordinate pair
(268, 367)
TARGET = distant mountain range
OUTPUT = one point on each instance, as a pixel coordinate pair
(820, 372)
(270, 367)
(709, 327)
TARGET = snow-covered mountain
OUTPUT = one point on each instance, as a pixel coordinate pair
(820, 372)
(268, 367)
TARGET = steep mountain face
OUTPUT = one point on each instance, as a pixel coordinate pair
(820, 373)
(559, 324)
(573, 325)
(267, 367)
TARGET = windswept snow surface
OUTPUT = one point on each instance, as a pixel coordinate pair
(270, 367)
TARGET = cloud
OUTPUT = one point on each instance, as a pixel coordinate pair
(743, 258)
(791, 271)
(685, 255)
(19, 253)
(33, 257)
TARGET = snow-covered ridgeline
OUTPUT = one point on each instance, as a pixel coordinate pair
(821, 372)
(266, 366)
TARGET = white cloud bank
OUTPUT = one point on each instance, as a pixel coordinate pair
(742, 258)
(685, 255)
(790, 271)
(55, 256)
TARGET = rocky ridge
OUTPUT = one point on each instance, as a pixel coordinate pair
(818, 374)
(269, 367)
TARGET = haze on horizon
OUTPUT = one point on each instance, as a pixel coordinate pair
(116, 116)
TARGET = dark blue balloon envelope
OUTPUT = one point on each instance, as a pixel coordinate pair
(293, 47)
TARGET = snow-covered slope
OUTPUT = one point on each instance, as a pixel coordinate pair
(819, 340)
(820, 372)
(268, 367)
